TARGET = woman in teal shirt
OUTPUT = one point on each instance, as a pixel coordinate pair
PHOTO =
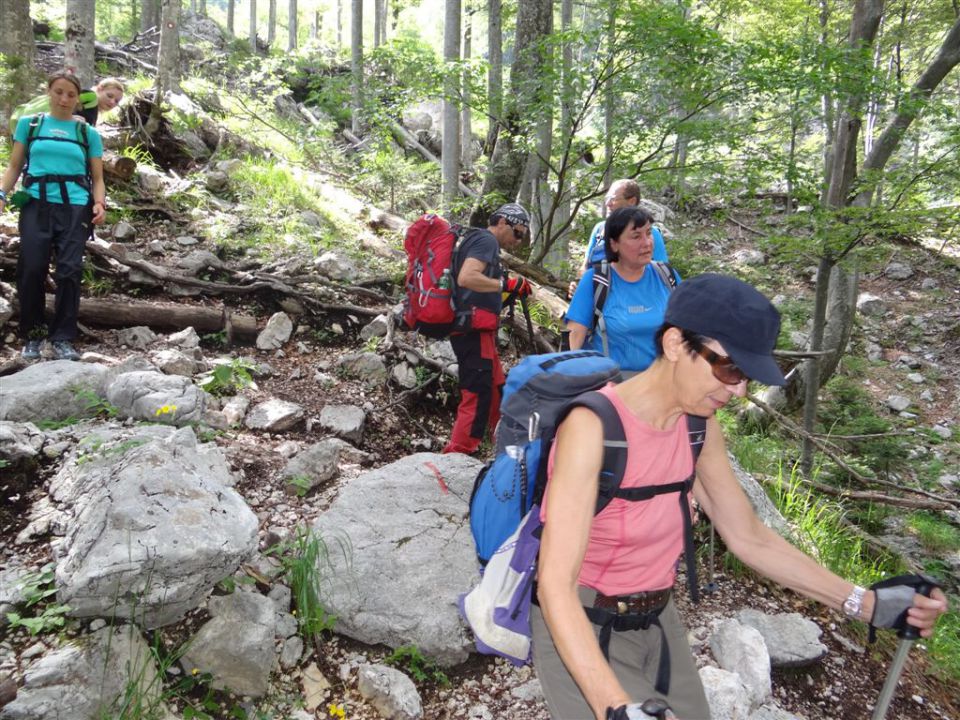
(64, 195)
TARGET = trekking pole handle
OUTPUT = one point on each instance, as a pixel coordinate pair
(910, 632)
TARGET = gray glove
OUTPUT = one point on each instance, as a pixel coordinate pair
(891, 607)
(894, 598)
(648, 710)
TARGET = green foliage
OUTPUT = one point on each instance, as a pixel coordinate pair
(139, 155)
(403, 180)
(301, 484)
(46, 615)
(229, 378)
(820, 532)
(417, 665)
(937, 535)
(945, 645)
(97, 285)
(306, 561)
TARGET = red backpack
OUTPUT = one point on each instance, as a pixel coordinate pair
(430, 245)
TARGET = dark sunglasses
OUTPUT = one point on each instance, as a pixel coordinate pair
(721, 366)
(518, 232)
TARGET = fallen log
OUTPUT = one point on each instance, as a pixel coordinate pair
(164, 316)
(118, 166)
(410, 141)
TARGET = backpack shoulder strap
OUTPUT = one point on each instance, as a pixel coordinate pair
(666, 273)
(84, 142)
(601, 288)
(696, 433)
(614, 447)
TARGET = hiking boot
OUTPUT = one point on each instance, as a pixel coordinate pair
(31, 351)
(63, 350)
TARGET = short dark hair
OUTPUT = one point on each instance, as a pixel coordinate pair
(619, 221)
(64, 75)
(690, 339)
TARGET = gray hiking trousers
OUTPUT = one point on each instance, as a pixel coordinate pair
(634, 657)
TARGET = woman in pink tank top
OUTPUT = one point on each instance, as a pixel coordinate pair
(606, 634)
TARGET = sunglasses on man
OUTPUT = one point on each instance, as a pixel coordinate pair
(722, 367)
(519, 232)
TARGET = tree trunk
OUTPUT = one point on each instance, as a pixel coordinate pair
(231, 7)
(450, 155)
(78, 40)
(168, 59)
(149, 14)
(356, 61)
(946, 59)
(271, 22)
(466, 129)
(379, 20)
(203, 8)
(826, 105)
(561, 215)
(315, 27)
(494, 74)
(293, 25)
(253, 26)
(16, 43)
(339, 25)
(534, 23)
(609, 100)
(163, 316)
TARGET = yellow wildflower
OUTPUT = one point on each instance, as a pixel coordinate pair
(336, 711)
(166, 409)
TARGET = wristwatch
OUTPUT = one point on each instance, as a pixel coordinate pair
(853, 605)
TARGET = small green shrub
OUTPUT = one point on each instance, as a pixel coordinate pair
(229, 378)
(47, 615)
(937, 535)
(417, 665)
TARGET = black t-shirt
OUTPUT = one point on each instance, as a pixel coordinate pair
(482, 245)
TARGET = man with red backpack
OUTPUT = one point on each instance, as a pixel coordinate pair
(481, 287)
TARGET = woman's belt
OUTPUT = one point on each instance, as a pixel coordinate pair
(636, 604)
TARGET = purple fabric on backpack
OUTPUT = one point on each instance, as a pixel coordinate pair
(498, 608)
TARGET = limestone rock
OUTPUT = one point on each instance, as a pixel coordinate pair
(19, 441)
(314, 465)
(898, 271)
(367, 366)
(274, 415)
(155, 397)
(138, 338)
(153, 524)
(404, 375)
(278, 330)
(345, 421)
(413, 555)
(741, 649)
(391, 692)
(871, 305)
(236, 645)
(726, 695)
(792, 640)
(375, 328)
(898, 403)
(336, 266)
(54, 390)
(186, 338)
(124, 231)
(175, 362)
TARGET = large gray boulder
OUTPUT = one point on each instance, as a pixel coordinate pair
(791, 639)
(153, 524)
(236, 645)
(726, 695)
(314, 465)
(155, 397)
(410, 555)
(54, 390)
(88, 679)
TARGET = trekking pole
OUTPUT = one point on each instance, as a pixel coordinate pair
(526, 314)
(711, 586)
(908, 634)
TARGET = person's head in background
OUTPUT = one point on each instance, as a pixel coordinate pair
(622, 193)
(109, 93)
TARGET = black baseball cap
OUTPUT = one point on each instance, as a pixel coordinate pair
(735, 314)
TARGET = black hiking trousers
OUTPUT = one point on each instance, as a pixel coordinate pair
(47, 229)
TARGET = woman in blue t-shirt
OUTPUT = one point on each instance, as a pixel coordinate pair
(636, 299)
(64, 196)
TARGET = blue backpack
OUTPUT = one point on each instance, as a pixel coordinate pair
(505, 507)
(538, 390)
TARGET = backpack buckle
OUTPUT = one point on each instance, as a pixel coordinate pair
(533, 426)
